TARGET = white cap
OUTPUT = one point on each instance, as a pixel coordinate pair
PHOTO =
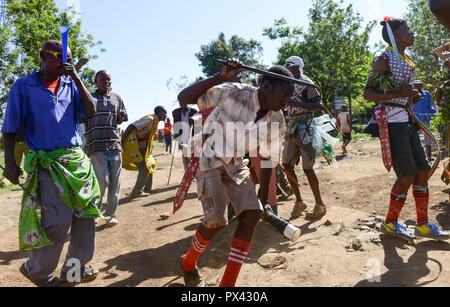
(295, 61)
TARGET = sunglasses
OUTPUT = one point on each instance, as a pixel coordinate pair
(58, 55)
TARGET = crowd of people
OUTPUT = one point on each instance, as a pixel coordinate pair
(66, 184)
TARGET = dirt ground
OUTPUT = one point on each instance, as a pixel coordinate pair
(341, 249)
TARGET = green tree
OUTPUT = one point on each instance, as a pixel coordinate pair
(429, 34)
(248, 52)
(29, 24)
(335, 48)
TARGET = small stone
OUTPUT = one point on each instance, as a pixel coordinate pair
(213, 281)
(375, 239)
(379, 219)
(371, 224)
(164, 216)
(364, 227)
(410, 223)
(338, 228)
(328, 223)
(269, 261)
(356, 244)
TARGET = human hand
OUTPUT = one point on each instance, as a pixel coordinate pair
(405, 90)
(231, 69)
(67, 69)
(121, 114)
(12, 172)
(416, 96)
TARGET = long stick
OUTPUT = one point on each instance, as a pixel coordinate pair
(170, 172)
(274, 75)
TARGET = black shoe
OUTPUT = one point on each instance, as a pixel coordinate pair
(192, 278)
(88, 274)
(51, 282)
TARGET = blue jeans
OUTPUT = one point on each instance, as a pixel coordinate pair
(107, 167)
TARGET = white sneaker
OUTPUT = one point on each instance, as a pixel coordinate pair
(112, 222)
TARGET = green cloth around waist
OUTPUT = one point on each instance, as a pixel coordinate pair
(75, 181)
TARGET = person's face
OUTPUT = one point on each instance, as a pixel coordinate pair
(183, 106)
(405, 35)
(418, 86)
(51, 57)
(276, 95)
(162, 116)
(103, 82)
(294, 69)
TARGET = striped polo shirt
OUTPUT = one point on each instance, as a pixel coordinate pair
(102, 133)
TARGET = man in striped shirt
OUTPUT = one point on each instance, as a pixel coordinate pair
(103, 145)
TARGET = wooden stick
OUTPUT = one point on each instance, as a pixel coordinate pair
(274, 75)
(170, 172)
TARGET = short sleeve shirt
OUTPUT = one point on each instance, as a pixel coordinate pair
(302, 93)
(232, 131)
(102, 133)
(49, 121)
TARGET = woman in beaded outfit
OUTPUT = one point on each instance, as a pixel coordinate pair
(390, 85)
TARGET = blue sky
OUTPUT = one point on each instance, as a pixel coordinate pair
(151, 41)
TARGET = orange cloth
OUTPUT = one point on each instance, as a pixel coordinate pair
(53, 86)
(167, 128)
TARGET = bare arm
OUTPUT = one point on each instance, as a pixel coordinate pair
(12, 171)
(371, 93)
(191, 94)
(265, 176)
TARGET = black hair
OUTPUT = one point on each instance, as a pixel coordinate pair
(97, 73)
(278, 69)
(160, 109)
(394, 23)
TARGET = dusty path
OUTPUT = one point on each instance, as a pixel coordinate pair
(142, 250)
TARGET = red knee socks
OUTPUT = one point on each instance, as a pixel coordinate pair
(238, 254)
(395, 206)
(421, 197)
(198, 245)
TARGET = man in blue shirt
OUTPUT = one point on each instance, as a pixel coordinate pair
(424, 111)
(46, 105)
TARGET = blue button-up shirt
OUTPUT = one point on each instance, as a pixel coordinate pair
(424, 109)
(50, 122)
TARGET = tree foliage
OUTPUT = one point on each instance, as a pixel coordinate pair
(335, 48)
(248, 52)
(29, 24)
(429, 34)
